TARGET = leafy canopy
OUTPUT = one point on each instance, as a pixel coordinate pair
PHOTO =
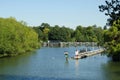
(16, 37)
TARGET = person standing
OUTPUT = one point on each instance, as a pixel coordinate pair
(76, 53)
(66, 54)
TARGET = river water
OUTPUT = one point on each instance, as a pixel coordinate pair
(50, 64)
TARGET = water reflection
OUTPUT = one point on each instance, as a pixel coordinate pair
(112, 70)
(76, 64)
(51, 64)
(77, 67)
(66, 60)
(14, 77)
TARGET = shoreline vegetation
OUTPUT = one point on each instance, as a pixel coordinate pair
(111, 8)
(18, 38)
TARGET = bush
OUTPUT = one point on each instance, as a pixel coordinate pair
(16, 37)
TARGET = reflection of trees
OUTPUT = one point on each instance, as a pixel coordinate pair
(112, 70)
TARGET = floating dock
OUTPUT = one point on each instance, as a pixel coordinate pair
(88, 54)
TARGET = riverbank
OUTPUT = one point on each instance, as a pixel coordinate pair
(8, 55)
(3, 55)
(15, 54)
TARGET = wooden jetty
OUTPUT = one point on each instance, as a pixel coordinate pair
(88, 53)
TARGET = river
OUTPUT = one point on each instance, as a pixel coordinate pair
(50, 64)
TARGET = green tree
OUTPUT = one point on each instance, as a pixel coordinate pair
(111, 36)
(16, 37)
(99, 34)
(111, 9)
(45, 27)
(43, 31)
(54, 33)
(60, 33)
(78, 33)
(89, 34)
(39, 32)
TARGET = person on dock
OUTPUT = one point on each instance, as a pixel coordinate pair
(76, 53)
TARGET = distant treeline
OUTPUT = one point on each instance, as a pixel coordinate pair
(16, 37)
(65, 34)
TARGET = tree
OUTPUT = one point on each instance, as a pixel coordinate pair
(60, 33)
(89, 34)
(99, 33)
(112, 38)
(43, 31)
(54, 33)
(16, 38)
(111, 9)
(45, 25)
(78, 34)
(39, 32)
(112, 35)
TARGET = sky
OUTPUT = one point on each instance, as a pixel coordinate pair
(69, 13)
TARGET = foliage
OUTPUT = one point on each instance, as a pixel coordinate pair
(16, 37)
(112, 38)
(43, 31)
(64, 34)
(112, 9)
(89, 34)
(60, 34)
(112, 35)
